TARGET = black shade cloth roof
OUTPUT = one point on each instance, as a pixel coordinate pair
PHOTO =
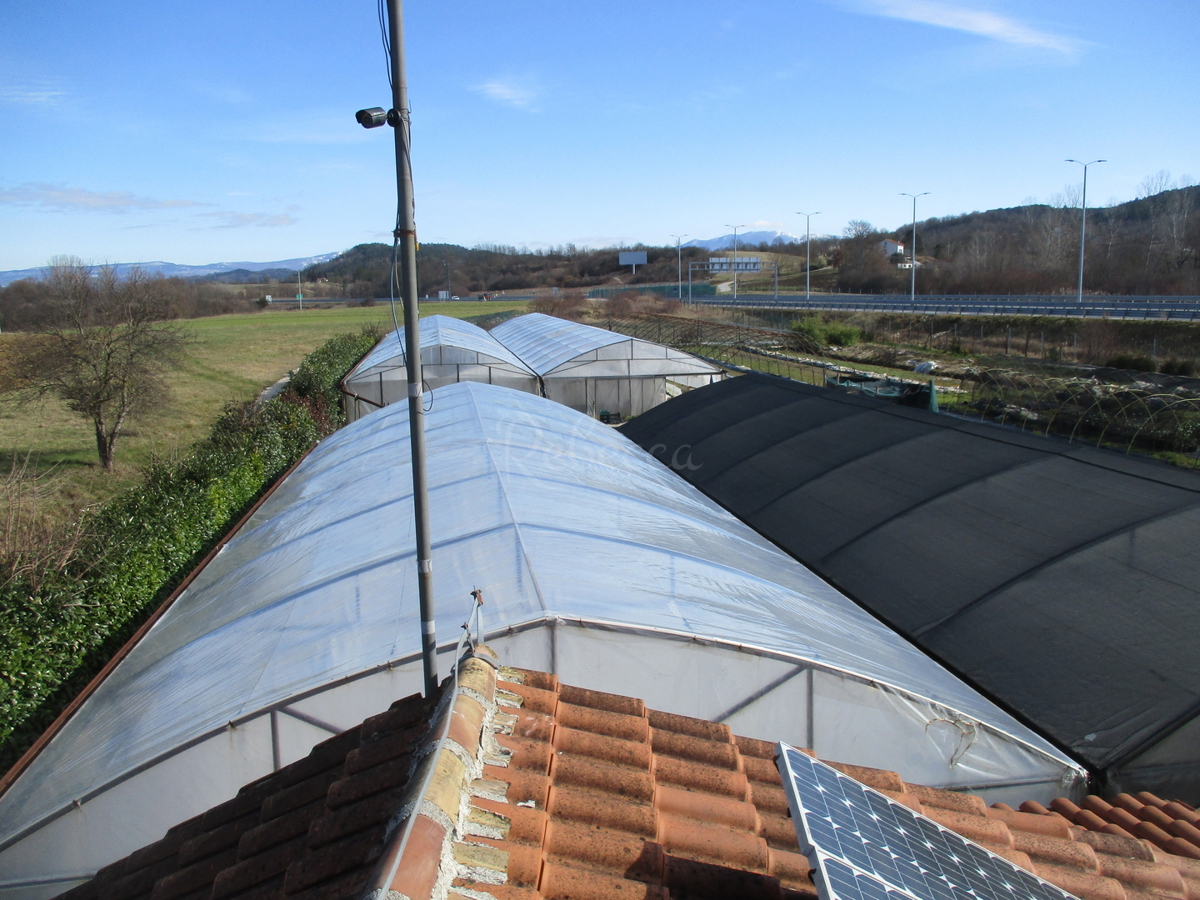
(1060, 579)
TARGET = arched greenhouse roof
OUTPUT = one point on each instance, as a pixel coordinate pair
(1061, 579)
(436, 331)
(555, 347)
(596, 562)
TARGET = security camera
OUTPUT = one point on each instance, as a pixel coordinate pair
(371, 118)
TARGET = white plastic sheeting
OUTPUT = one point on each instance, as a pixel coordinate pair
(597, 371)
(596, 562)
(451, 351)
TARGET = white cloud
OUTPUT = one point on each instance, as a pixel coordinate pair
(228, 219)
(32, 95)
(69, 199)
(959, 17)
(519, 93)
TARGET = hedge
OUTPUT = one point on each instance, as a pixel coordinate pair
(59, 628)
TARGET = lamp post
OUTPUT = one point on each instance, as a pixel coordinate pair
(404, 276)
(733, 262)
(807, 250)
(914, 242)
(1083, 221)
(679, 261)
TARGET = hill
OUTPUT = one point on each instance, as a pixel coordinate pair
(1150, 245)
(494, 269)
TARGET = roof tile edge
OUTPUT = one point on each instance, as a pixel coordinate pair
(420, 861)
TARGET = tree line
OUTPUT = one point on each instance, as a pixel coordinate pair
(23, 304)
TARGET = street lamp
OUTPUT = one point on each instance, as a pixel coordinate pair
(1083, 221)
(679, 261)
(807, 250)
(914, 242)
(733, 263)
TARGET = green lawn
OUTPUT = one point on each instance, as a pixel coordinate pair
(234, 357)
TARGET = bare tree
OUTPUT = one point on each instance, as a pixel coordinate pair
(102, 345)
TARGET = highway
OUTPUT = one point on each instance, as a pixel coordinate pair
(1185, 309)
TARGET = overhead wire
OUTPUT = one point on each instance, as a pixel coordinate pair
(395, 264)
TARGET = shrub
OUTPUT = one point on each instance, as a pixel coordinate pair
(827, 334)
(839, 335)
(811, 326)
(1133, 362)
(1181, 367)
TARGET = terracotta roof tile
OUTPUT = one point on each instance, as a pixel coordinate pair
(574, 793)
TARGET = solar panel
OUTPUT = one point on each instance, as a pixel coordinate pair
(865, 846)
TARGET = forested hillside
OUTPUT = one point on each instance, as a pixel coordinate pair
(1146, 246)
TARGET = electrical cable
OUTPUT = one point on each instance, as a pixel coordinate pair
(383, 34)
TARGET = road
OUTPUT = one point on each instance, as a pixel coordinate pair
(1185, 309)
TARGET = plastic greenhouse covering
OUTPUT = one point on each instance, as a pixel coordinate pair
(600, 372)
(596, 562)
(451, 351)
(1059, 578)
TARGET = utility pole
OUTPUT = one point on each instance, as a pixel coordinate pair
(447, 265)
(913, 256)
(1083, 221)
(679, 261)
(404, 251)
(807, 250)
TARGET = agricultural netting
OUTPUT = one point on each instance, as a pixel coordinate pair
(1058, 578)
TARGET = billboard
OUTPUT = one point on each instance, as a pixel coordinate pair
(743, 264)
(633, 258)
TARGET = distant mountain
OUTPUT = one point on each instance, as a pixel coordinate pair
(175, 270)
(748, 239)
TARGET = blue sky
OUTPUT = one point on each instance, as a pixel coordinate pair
(202, 132)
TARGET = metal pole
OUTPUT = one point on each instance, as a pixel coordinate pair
(406, 233)
(914, 244)
(807, 251)
(1083, 222)
(679, 262)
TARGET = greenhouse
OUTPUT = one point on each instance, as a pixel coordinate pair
(1060, 579)
(451, 351)
(601, 373)
(596, 563)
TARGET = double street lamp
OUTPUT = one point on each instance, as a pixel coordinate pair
(807, 250)
(733, 262)
(913, 257)
(1083, 220)
(679, 261)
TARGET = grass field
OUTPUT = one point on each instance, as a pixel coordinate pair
(234, 358)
